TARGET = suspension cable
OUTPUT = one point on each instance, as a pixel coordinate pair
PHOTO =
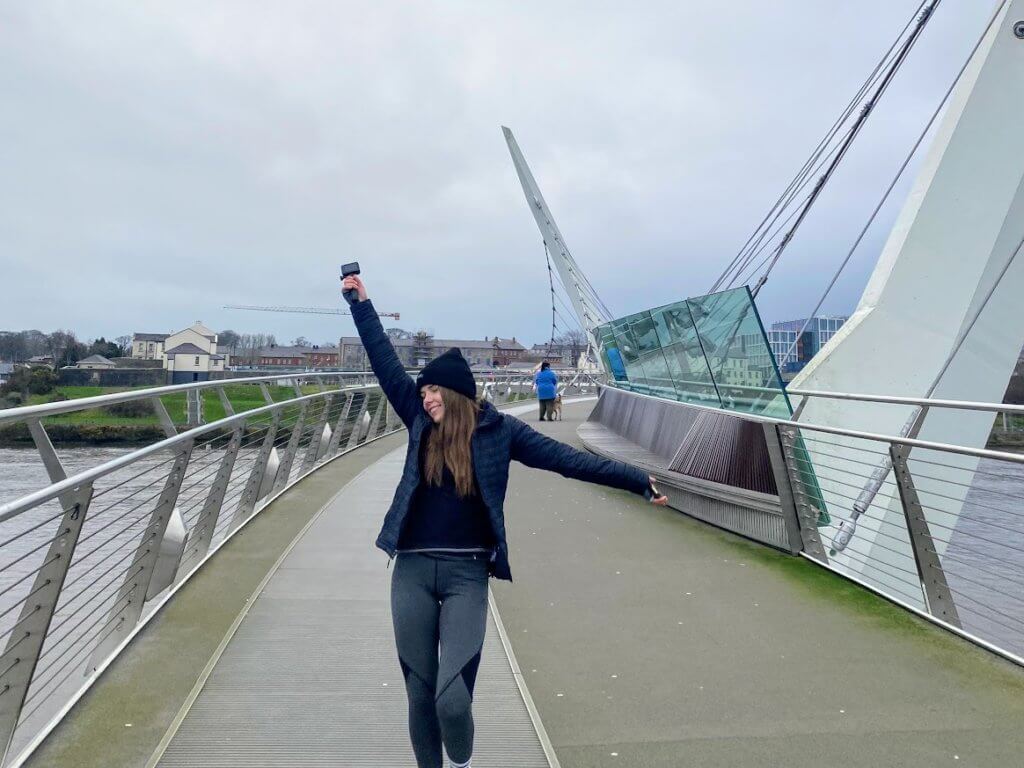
(892, 184)
(866, 111)
(879, 80)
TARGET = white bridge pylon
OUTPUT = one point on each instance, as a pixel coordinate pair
(950, 274)
(587, 309)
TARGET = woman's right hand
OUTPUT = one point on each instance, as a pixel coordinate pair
(352, 282)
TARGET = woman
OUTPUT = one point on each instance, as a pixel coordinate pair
(446, 526)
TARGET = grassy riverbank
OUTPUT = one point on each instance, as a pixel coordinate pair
(101, 426)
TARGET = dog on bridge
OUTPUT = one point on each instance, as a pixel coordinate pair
(556, 409)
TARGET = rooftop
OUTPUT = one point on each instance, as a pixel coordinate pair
(186, 349)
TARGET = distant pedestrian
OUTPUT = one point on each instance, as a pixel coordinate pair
(447, 526)
(546, 382)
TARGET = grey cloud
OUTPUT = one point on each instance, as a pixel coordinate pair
(163, 159)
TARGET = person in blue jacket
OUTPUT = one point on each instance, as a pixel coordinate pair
(446, 526)
(546, 382)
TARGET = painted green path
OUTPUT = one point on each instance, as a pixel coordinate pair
(649, 639)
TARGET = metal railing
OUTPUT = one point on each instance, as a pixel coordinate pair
(86, 559)
(935, 527)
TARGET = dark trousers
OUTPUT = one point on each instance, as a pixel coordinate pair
(439, 603)
(547, 407)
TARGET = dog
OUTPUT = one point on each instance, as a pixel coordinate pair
(556, 409)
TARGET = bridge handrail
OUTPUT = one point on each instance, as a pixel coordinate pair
(983, 453)
(13, 508)
(43, 410)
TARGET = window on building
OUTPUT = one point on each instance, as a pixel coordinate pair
(197, 359)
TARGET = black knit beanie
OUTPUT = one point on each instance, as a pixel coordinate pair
(449, 370)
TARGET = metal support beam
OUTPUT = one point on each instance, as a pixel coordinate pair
(313, 449)
(202, 531)
(21, 655)
(165, 418)
(229, 409)
(929, 568)
(251, 494)
(46, 452)
(293, 445)
(131, 597)
(332, 446)
(787, 503)
(378, 415)
(806, 513)
(353, 438)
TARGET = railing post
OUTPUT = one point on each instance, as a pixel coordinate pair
(21, 655)
(806, 514)
(194, 407)
(378, 414)
(136, 582)
(165, 418)
(251, 494)
(229, 409)
(787, 503)
(937, 596)
(393, 422)
(202, 531)
(357, 427)
(284, 470)
(309, 460)
(335, 441)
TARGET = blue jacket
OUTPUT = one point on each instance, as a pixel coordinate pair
(498, 439)
(547, 384)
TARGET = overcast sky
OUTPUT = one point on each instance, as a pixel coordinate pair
(161, 160)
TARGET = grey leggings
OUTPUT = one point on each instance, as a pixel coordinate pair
(439, 601)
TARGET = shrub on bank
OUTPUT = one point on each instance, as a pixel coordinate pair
(130, 409)
(92, 434)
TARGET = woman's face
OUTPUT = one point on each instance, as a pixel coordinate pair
(432, 402)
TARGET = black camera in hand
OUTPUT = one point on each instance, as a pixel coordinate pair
(351, 295)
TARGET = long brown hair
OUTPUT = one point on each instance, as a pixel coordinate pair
(449, 443)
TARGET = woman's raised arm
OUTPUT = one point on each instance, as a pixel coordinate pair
(398, 387)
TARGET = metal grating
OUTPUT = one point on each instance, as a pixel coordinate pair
(311, 676)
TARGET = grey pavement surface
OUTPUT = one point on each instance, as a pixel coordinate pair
(648, 639)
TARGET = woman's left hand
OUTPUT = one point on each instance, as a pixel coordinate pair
(658, 498)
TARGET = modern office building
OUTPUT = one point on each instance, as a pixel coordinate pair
(783, 334)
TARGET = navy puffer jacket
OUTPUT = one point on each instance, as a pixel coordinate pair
(498, 439)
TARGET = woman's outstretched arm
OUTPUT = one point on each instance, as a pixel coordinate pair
(398, 387)
(542, 452)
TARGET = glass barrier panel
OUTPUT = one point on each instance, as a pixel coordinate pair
(739, 358)
(683, 355)
(610, 350)
(630, 354)
(652, 359)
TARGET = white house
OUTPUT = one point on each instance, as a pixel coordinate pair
(95, 361)
(190, 354)
(148, 346)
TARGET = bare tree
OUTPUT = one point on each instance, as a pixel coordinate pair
(65, 347)
(573, 342)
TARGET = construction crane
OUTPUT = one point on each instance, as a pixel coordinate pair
(304, 310)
